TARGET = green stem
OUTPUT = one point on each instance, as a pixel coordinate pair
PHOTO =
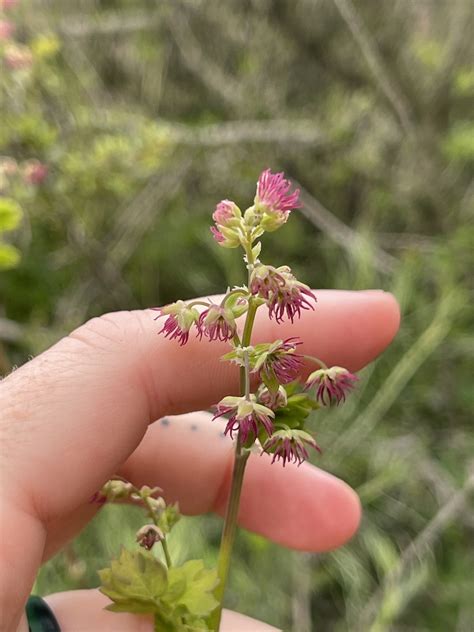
(241, 457)
(229, 531)
(322, 364)
(164, 544)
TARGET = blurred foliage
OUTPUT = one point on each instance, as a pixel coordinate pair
(148, 113)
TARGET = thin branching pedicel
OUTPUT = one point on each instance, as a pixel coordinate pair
(270, 415)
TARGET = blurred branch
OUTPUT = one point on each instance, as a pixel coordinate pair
(134, 220)
(407, 366)
(205, 69)
(342, 234)
(301, 131)
(371, 54)
(120, 23)
(301, 592)
(416, 550)
(407, 241)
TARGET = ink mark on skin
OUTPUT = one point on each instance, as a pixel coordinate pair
(194, 427)
(165, 421)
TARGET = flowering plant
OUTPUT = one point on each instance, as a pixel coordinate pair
(269, 413)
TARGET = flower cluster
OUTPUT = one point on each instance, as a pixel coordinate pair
(283, 293)
(274, 413)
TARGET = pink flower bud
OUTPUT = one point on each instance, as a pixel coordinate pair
(228, 218)
(274, 200)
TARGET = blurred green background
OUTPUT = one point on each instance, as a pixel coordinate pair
(124, 122)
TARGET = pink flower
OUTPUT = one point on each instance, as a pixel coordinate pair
(180, 320)
(217, 323)
(246, 415)
(273, 198)
(7, 29)
(227, 217)
(284, 294)
(289, 446)
(278, 360)
(332, 385)
(35, 172)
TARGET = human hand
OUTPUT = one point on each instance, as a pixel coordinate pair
(81, 412)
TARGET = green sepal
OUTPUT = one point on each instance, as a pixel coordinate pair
(256, 250)
(298, 408)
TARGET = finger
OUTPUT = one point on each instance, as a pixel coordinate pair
(299, 507)
(80, 610)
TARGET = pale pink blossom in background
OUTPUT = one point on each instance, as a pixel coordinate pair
(7, 29)
(8, 4)
(35, 172)
(18, 57)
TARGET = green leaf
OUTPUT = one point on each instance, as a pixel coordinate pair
(135, 582)
(192, 586)
(10, 214)
(9, 256)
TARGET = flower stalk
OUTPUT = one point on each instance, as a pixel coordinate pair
(274, 416)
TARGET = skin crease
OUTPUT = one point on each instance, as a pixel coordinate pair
(81, 412)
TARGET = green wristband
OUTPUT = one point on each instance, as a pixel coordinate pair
(40, 616)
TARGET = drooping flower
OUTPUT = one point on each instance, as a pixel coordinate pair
(7, 29)
(274, 200)
(35, 172)
(227, 217)
(284, 294)
(149, 535)
(278, 360)
(217, 323)
(246, 415)
(332, 385)
(180, 320)
(289, 446)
